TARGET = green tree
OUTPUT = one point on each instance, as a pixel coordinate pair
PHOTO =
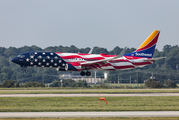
(4, 62)
(129, 50)
(6, 73)
(170, 84)
(167, 48)
(55, 84)
(85, 50)
(81, 83)
(8, 83)
(68, 83)
(98, 50)
(25, 49)
(17, 84)
(36, 48)
(172, 58)
(2, 49)
(153, 84)
(116, 51)
(34, 84)
(11, 51)
(51, 49)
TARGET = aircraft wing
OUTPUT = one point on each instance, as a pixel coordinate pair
(104, 61)
(98, 63)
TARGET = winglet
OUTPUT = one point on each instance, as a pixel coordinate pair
(122, 52)
(90, 52)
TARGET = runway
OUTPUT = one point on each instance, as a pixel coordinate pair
(90, 95)
(90, 114)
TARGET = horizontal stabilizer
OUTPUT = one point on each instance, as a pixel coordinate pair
(148, 60)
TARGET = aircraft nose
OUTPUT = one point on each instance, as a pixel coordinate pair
(14, 60)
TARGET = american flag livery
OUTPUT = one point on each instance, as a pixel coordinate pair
(84, 62)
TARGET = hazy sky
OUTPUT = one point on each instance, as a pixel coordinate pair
(87, 23)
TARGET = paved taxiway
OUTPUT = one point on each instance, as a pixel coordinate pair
(89, 95)
(91, 114)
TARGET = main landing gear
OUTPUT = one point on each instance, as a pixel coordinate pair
(87, 73)
(26, 71)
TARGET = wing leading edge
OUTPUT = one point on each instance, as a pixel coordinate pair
(98, 63)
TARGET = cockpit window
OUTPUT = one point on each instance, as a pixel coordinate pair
(22, 56)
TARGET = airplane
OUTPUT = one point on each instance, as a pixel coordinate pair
(85, 62)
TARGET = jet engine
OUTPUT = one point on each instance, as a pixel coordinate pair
(70, 67)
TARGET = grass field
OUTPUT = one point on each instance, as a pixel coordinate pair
(127, 85)
(112, 118)
(97, 91)
(54, 104)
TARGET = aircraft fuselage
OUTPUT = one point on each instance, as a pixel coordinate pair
(74, 61)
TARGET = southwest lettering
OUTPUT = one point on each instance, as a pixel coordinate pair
(142, 54)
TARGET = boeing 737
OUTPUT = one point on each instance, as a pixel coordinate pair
(85, 62)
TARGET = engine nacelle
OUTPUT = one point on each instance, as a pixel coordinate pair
(70, 67)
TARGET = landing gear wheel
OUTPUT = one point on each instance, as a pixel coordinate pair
(82, 73)
(88, 73)
(25, 70)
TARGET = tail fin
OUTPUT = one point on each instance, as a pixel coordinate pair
(147, 48)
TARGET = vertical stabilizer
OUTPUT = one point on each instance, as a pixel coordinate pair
(147, 48)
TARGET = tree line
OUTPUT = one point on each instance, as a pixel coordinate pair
(14, 84)
(150, 83)
(163, 69)
(56, 83)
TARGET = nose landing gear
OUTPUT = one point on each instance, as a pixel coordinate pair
(25, 69)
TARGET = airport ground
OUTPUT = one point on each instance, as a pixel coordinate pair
(92, 115)
(54, 104)
(99, 118)
(82, 91)
(67, 104)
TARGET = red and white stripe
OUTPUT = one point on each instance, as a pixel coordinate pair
(123, 63)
